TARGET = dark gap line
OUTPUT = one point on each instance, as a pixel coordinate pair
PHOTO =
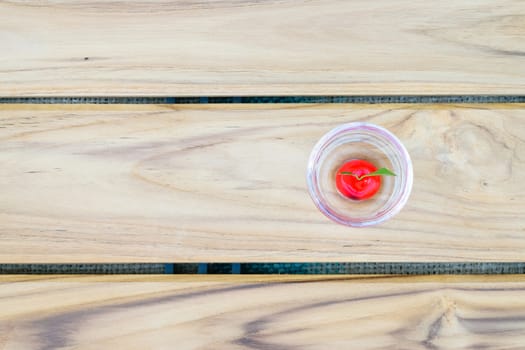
(365, 99)
(169, 269)
(296, 268)
(202, 268)
(236, 269)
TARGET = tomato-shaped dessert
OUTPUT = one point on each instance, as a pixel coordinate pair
(352, 183)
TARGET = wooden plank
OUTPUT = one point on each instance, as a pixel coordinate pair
(362, 312)
(234, 47)
(227, 183)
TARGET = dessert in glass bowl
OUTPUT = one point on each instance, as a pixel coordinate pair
(359, 174)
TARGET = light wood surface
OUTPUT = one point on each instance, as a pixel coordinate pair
(227, 183)
(231, 47)
(356, 312)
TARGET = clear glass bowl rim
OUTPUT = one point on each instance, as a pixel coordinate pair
(376, 129)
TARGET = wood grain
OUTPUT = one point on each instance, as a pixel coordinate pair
(234, 47)
(227, 183)
(362, 312)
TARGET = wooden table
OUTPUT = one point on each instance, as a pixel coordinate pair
(226, 183)
(91, 183)
(262, 312)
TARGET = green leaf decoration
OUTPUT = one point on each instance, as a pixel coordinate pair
(381, 171)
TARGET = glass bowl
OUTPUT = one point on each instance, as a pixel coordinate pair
(359, 141)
